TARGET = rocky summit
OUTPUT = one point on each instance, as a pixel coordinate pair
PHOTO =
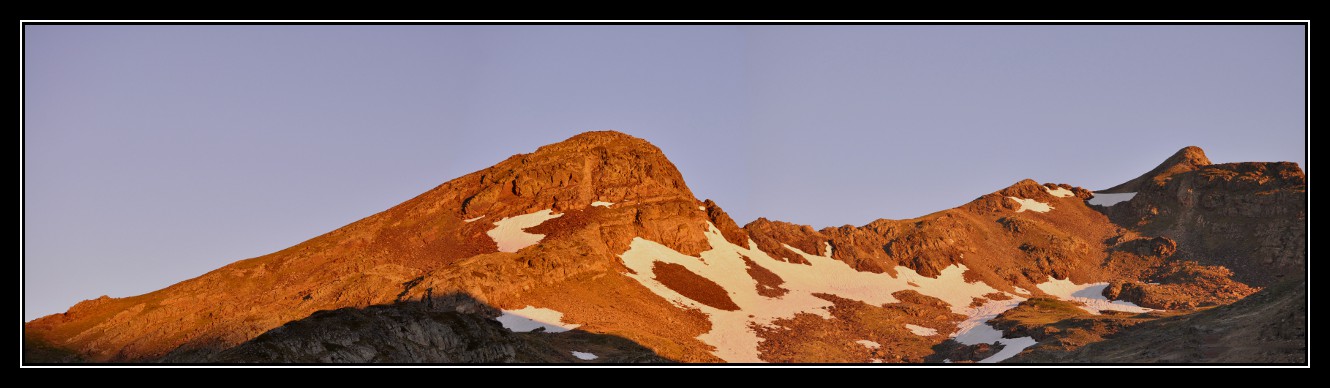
(594, 250)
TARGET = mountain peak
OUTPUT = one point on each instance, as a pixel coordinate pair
(594, 139)
(604, 166)
(1193, 153)
(602, 137)
(1189, 158)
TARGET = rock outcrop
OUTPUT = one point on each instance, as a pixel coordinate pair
(1248, 217)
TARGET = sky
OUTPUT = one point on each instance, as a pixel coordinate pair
(153, 154)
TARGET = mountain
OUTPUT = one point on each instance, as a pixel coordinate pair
(1190, 158)
(597, 244)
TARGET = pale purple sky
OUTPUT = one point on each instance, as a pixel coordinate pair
(154, 154)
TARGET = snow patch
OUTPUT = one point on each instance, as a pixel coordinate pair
(1011, 348)
(1092, 295)
(702, 208)
(602, 203)
(1060, 192)
(731, 331)
(1110, 199)
(1023, 291)
(869, 344)
(921, 331)
(473, 219)
(531, 318)
(976, 330)
(510, 234)
(584, 356)
(1031, 205)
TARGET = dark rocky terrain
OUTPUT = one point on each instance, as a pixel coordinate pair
(452, 329)
(1267, 327)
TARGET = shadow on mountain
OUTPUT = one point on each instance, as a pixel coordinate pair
(1267, 327)
(449, 329)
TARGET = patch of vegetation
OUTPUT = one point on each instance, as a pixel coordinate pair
(1040, 312)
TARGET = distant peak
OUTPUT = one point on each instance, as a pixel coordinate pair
(1189, 158)
(1191, 155)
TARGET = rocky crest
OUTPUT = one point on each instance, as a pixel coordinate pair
(1188, 158)
(1001, 246)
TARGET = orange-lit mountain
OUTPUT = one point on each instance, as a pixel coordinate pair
(598, 245)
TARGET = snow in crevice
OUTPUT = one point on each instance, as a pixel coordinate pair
(921, 331)
(469, 220)
(602, 204)
(1110, 199)
(1092, 295)
(510, 234)
(1060, 192)
(868, 344)
(731, 334)
(531, 318)
(584, 356)
(1031, 205)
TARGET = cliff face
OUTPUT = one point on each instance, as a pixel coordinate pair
(1248, 217)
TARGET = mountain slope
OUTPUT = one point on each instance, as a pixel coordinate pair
(600, 231)
(371, 261)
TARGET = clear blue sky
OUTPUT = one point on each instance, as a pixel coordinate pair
(156, 153)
